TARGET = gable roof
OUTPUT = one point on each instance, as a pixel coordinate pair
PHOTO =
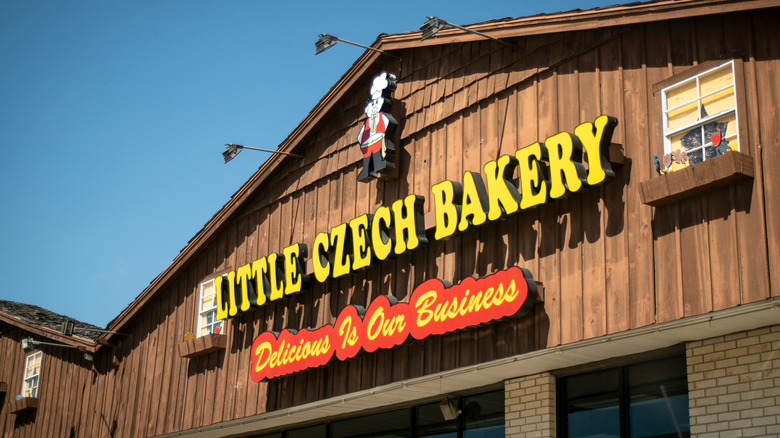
(574, 20)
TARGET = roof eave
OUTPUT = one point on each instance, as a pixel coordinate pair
(51, 334)
(578, 20)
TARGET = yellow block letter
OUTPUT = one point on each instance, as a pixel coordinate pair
(566, 172)
(447, 196)
(295, 277)
(408, 223)
(381, 239)
(596, 138)
(532, 181)
(320, 257)
(503, 197)
(361, 248)
(474, 201)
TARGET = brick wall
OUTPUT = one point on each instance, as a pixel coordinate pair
(530, 406)
(734, 384)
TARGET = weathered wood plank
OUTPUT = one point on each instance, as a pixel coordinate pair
(469, 244)
(570, 213)
(615, 229)
(766, 52)
(694, 258)
(594, 281)
(550, 244)
(149, 386)
(641, 286)
(169, 378)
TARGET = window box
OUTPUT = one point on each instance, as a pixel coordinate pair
(202, 345)
(693, 180)
(24, 404)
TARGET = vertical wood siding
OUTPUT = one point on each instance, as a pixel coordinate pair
(608, 262)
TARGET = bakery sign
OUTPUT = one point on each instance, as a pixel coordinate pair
(547, 171)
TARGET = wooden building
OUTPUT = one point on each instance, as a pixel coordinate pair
(621, 156)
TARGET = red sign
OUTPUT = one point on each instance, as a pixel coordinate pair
(434, 308)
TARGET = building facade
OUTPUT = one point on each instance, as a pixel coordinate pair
(571, 231)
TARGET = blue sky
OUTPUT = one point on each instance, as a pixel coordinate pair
(114, 114)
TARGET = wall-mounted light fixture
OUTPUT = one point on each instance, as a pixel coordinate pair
(68, 326)
(326, 41)
(233, 149)
(29, 344)
(435, 24)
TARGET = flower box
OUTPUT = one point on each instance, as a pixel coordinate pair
(24, 404)
(202, 345)
(693, 180)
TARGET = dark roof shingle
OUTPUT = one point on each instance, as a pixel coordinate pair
(45, 318)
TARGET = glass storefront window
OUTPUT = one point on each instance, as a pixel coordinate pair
(393, 424)
(592, 405)
(658, 404)
(481, 416)
(308, 432)
(640, 401)
(431, 423)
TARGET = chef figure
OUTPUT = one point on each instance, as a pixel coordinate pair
(376, 134)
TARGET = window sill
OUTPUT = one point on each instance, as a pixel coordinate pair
(693, 180)
(202, 345)
(24, 404)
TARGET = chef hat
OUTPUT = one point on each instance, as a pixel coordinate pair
(378, 86)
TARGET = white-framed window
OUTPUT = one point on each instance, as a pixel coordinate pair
(700, 117)
(32, 371)
(207, 310)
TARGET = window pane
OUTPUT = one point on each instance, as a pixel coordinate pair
(431, 423)
(203, 325)
(726, 127)
(484, 415)
(208, 287)
(30, 387)
(718, 102)
(716, 80)
(692, 145)
(394, 424)
(317, 431)
(209, 302)
(592, 404)
(681, 94)
(683, 116)
(659, 399)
